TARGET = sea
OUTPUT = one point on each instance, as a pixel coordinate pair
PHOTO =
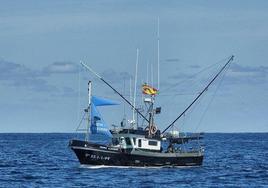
(45, 160)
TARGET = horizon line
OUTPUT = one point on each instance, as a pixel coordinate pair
(244, 132)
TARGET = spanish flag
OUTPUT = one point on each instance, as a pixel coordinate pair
(148, 90)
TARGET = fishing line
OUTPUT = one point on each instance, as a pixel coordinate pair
(193, 109)
(197, 73)
(195, 106)
(212, 98)
(193, 76)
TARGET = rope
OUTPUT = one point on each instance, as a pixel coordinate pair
(77, 129)
(212, 98)
(200, 94)
(193, 76)
(193, 109)
(79, 96)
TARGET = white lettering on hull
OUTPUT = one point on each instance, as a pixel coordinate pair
(98, 157)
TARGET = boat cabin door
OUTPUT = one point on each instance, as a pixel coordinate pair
(125, 144)
(122, 143)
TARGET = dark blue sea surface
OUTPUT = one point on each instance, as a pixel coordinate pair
(44, 160)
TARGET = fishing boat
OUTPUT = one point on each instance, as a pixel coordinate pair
(138, 146)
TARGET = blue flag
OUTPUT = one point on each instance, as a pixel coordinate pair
(98, 126)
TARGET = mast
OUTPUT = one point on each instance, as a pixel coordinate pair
(109, 85)
(151, 116)
(124, 118)
(88, 111)
(158, 53)
(130, 89)
(200, 94)
(135, 88)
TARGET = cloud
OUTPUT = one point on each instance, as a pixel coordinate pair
(248, 69)
(65, 91)
(181, 75)
(239, 74)
(11, 71)
(68, 92)
(115, 77)
(17, 75)
(172, 60)
(195, 66)
(236, 75)
(61, 68)
(20, 76)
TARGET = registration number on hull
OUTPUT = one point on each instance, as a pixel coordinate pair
(93, 156)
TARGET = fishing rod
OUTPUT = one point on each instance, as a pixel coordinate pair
(97, 75)
(205, 89)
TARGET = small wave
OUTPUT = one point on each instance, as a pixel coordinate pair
(134, 167)
(30, 177)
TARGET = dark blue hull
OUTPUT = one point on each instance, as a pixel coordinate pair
(93, 154)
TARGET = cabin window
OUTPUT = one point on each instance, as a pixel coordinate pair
(128, 142)
(153, 143)
(139, 144)
(115, 141)
(134, 141)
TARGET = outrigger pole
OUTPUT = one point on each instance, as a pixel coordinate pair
(97, 75)
(205, 89)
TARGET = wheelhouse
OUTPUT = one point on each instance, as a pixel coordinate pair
(136, 141)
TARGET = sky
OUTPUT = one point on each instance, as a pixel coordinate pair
(44, 89)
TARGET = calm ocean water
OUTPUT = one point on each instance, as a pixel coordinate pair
(44, 160)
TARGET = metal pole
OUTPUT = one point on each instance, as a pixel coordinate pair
(135, 89)
(88, 110)
(158, 51)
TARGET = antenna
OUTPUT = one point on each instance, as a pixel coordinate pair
(158, 49)
(130, 90)
(125, 95)
(124, 117)
(135, 87)
(152, 75)
(130, 98)
(147, 74)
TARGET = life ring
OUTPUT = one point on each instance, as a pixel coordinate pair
(153, 129)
